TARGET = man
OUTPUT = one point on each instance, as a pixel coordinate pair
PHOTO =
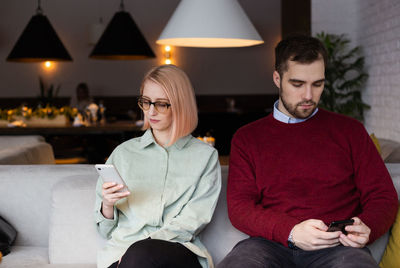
(300, 168)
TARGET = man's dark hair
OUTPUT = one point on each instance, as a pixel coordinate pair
(300, 48)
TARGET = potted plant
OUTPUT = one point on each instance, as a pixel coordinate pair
(47, 94)
(345, 77)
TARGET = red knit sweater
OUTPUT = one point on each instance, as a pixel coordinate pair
(325, 168)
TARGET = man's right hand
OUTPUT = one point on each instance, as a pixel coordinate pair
(312, 235)
(110, 197)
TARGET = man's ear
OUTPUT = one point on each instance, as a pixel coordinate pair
(277, 79)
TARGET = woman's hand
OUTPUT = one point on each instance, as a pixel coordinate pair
(110, 197)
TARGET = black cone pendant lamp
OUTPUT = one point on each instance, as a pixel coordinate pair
(39, 42)
(122, 40)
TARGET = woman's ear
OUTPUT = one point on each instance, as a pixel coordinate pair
(277, 79)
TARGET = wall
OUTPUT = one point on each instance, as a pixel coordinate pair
(375, 25)
(379, 34)
(213, 71)
(335, 17)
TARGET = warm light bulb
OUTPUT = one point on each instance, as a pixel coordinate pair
(167, 48)
(167, 61)
(47, 64)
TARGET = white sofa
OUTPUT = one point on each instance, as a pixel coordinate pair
(25, 150)
(51, 206)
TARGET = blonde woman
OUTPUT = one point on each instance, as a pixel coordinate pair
(173, 179)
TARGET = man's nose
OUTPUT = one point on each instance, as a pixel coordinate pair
(308, 93)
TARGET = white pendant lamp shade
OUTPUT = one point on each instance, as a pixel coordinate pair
(209, 23)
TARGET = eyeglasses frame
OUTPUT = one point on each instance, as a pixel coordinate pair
(152, 103)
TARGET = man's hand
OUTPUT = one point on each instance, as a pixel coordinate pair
(312, 235)
(358, 234)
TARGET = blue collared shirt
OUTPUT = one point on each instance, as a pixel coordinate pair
(278, 115)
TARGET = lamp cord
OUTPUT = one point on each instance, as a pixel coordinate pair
(121, 5)
(39, 8)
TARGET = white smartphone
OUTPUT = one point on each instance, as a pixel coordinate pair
(109, 173)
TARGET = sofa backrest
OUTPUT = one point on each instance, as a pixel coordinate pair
(73, 237)
(25, 197)
(220, 236)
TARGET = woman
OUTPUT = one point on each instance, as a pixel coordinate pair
(173, 179)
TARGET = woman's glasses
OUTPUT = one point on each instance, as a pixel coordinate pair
(160, 106)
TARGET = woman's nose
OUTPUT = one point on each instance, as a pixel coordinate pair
(152, 109)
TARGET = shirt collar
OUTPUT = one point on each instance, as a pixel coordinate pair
(278, 115)
(148, 139)
(179, 144)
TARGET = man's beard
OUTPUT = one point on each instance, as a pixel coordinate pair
(294, 110)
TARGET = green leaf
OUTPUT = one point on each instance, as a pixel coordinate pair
(345, 76)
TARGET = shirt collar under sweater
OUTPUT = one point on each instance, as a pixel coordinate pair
(278, 115)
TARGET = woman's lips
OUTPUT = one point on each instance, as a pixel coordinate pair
(154, 121)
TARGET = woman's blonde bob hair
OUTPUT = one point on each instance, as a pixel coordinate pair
(179, 90)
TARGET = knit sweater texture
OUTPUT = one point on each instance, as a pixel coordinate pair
(325, 168)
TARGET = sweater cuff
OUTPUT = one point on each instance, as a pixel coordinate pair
(282, 230)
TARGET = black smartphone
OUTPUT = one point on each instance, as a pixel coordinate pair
(339, 226)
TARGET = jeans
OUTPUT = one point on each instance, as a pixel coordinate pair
(257, 252)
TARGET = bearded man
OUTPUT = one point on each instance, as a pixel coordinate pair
(300, 168)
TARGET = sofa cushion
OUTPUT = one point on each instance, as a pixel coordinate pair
(25, 256)
(21, 187)
(220, 236)
(390, 150)
(376, 142)
(391, 257)
(394, 157)
(378, 247)
(73, 236)
(25, 194)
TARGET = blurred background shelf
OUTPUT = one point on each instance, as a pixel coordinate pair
(219, 116)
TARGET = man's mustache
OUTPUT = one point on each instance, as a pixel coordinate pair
(306, 103)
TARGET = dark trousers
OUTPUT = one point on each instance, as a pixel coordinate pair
(152, 253)
(257, 252)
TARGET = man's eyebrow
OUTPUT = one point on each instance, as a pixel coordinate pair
(301, 81)
(296, 81)
(320, 80)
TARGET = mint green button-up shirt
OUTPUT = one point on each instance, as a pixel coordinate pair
(174, 192)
